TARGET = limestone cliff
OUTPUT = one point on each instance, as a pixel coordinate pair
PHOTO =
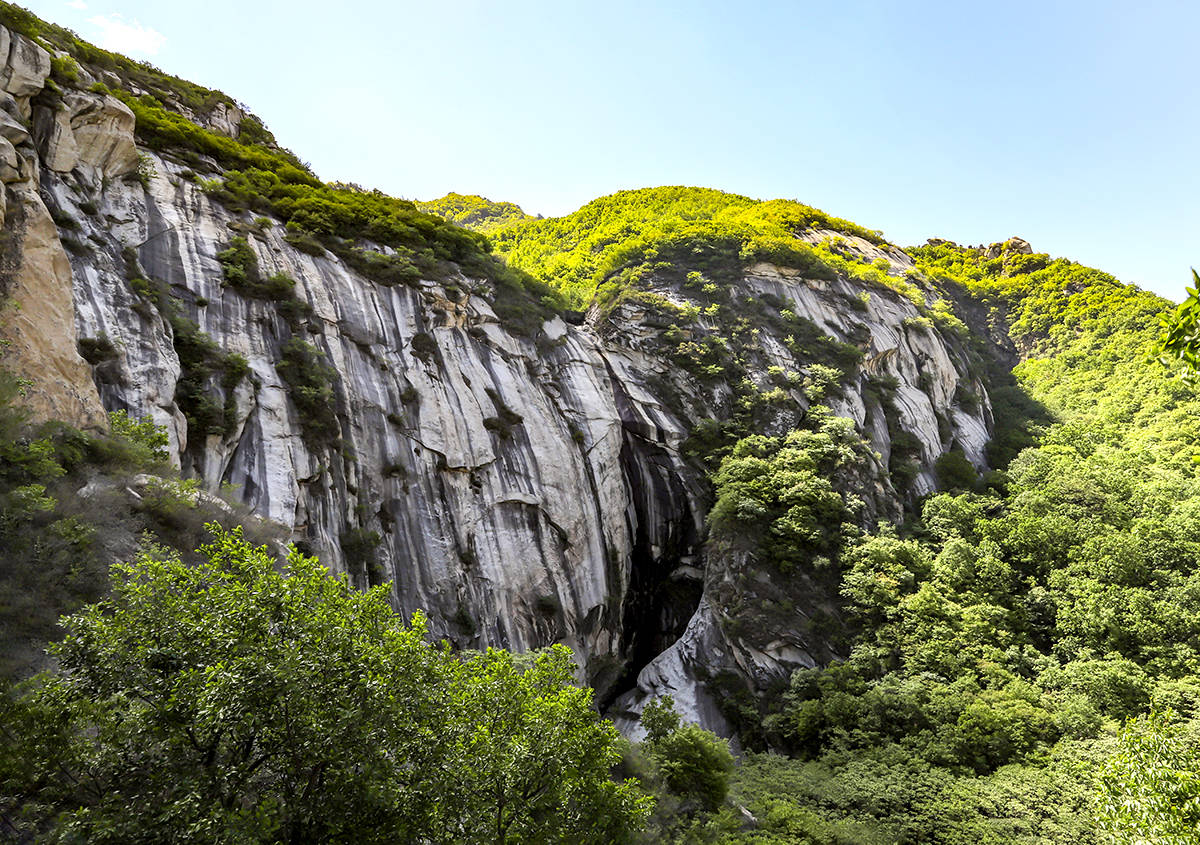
(525, 487)
(38, 323)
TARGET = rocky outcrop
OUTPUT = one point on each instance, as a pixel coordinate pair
(26, 65)
(39, 318)
(1016, 245)
(522, 490)
(225, 119)
(89, 132)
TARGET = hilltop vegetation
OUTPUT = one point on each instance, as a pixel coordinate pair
(637, 230)
(475, 212)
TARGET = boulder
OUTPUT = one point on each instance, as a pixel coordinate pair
(103, 133)
(225, 119)
(12, 129)
(10, 162)
(26, 65)
(55, 140)
(1012, 245)
(93, 130)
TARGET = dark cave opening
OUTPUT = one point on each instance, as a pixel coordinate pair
(663, 595)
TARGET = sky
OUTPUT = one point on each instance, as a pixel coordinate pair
(1075, 125)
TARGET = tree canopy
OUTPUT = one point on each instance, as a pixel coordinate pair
(233, 702)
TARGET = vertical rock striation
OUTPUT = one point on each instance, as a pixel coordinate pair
(521, 490)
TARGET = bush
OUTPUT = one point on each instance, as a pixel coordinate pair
(955, 472)
(64, 70)
(143, 432)
(424, 347)
(201, 363)
(97, 350)
(692, 763)
(310, 380)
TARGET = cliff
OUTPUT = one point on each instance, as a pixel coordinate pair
(522, 481)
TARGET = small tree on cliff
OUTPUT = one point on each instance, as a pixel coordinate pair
(234, 703)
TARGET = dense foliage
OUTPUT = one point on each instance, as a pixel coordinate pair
(474, 212)
(1180, 338)
(1003, 637)
(233, 702)
(701, 228)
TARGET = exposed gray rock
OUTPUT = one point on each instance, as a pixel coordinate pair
(102, 127)
(1020, 246)
(88, 130)
(10, 162)
(12, 129)
(55, 140)
(224, 119)
(26, 65)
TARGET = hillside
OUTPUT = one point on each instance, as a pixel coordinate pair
(915, 529)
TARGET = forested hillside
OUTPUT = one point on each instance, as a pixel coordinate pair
(1006, 635)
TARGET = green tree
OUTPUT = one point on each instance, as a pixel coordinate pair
(538, 757)
(691, 763)
(231, 702)
(1151, 786)
(1180, 337)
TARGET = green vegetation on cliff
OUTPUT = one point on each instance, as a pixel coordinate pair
(1002, 640)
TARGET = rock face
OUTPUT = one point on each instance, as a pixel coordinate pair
(36, 282)
(91, 133)
(523, 490)
(1020, 246)
(26, 65)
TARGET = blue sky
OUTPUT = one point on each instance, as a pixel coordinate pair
(1075, 125)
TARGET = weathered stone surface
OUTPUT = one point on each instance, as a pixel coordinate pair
(103, 130)
(26, 65)
(225, 120)
(89, 130)
(55, 140)
(10, 162)
(1017, 245)
(40, 320)
(12, 129)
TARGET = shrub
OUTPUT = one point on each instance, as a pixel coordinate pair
(310, 380)
(955, 472)
(143, 432)
(64, 69)
(201, 363)
(424, 347)
(97, 350)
